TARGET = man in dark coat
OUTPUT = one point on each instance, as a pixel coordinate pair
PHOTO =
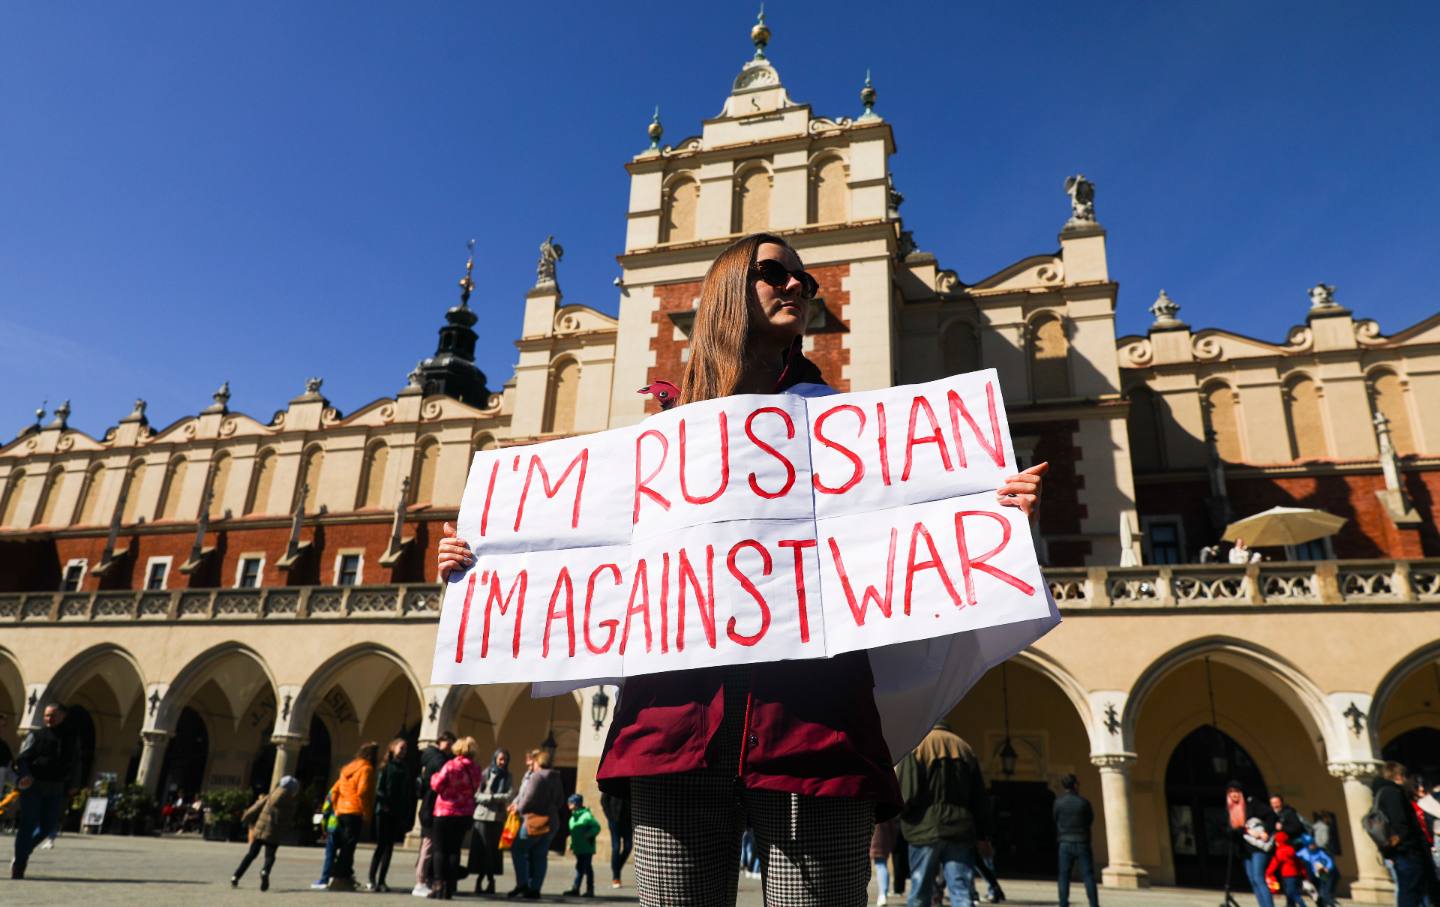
(48, 770)
(1408, 850)
(431, 761)
(946, 815)
(1073, 818)
(1286, 818)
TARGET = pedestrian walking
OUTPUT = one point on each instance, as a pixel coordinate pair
(268, 818)
(431, 761)
(584, 829)
(1285, 870)
(1401, 839)
(1325, 831)
(1252, 822)
(793, 749)
(946, 816)
(394, 811)
(538, 804)
(882, 845)
(47, 774)
(1286, 818)
(455, 786)
(353, 798)
(1429, 808)
(492, 801)
(617, 821)
(1074, 818)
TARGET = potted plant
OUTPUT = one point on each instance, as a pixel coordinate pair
(134, 810)
(223, 808)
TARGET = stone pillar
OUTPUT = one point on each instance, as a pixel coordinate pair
(1373, 885)
(1122, 870)
(152, 756)
(287, 756)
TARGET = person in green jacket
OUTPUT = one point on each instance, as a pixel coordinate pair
(946, 817)
(584, 829)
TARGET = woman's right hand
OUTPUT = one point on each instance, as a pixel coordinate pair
(455, 553)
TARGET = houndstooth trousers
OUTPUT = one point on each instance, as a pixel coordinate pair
(814, 851)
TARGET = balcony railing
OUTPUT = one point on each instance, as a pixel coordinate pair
(1274, 583)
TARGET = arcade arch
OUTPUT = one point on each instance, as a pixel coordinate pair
(1047, 716)
(219, 711)
(106, 685)
(12, 699)
(1263, 718)
(365, 693)
(1405, 713)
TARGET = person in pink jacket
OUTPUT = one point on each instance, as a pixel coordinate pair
(454, 786)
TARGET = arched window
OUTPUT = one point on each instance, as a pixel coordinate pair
(134, 479)
(258, 501)
(427, 463)
(50, 497)
(483, 441)
(90, 496)
(1049, 358)
(960, 348)
(310, 477)
(173, 489)
(560, 402)
(681, 204)
(1222, 423)
(12, 499)
(1147, 443)
(372, 477)
(752, 201)
(219, 481)
(1305, 419)
(1387, 395)
(829, 193)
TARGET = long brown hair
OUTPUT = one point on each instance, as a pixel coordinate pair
(720, 340)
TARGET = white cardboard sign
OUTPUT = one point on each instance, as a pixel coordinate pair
(746, 529)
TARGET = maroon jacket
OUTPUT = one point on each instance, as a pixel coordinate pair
(812, 726)
(812, 729)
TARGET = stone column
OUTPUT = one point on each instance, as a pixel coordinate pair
(1373, 885)
(152, 756)
(287, 756)
(1122, 870)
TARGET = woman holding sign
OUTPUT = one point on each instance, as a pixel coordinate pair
(792, 749)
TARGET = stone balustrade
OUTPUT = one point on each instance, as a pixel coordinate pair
(1269, 583)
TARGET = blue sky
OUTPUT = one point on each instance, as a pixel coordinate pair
(259, 192)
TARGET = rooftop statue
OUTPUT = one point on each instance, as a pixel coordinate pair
(1082, 199)
(550, 253)
(1322, 295)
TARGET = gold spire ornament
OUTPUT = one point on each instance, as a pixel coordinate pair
(655, 130)
(466, 284)
(760, 34)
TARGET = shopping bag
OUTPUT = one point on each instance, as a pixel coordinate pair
(510, 831)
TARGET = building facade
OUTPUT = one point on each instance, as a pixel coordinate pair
(226, 599)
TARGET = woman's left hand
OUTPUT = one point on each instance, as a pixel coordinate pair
(1023, 489)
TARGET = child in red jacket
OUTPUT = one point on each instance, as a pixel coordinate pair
(1285, 871)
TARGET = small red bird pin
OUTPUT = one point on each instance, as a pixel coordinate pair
(665, 393)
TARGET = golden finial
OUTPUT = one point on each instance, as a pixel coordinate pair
(466, 284)
(760, 34)
(867, 98)
(655, 130)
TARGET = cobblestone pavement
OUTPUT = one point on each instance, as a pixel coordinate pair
(114, 870)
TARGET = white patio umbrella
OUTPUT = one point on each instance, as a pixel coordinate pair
(1284, 526)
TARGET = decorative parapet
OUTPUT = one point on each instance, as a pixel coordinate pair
(1313, 584)
(1317, 583)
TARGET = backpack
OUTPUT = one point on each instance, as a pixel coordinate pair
(1377, 826)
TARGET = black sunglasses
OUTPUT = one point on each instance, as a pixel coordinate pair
(777, 275)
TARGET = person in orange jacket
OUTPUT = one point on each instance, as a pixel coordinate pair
(353, 798)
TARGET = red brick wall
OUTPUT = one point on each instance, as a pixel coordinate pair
(1369, 532)
(1062, 510)
(830, 352)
